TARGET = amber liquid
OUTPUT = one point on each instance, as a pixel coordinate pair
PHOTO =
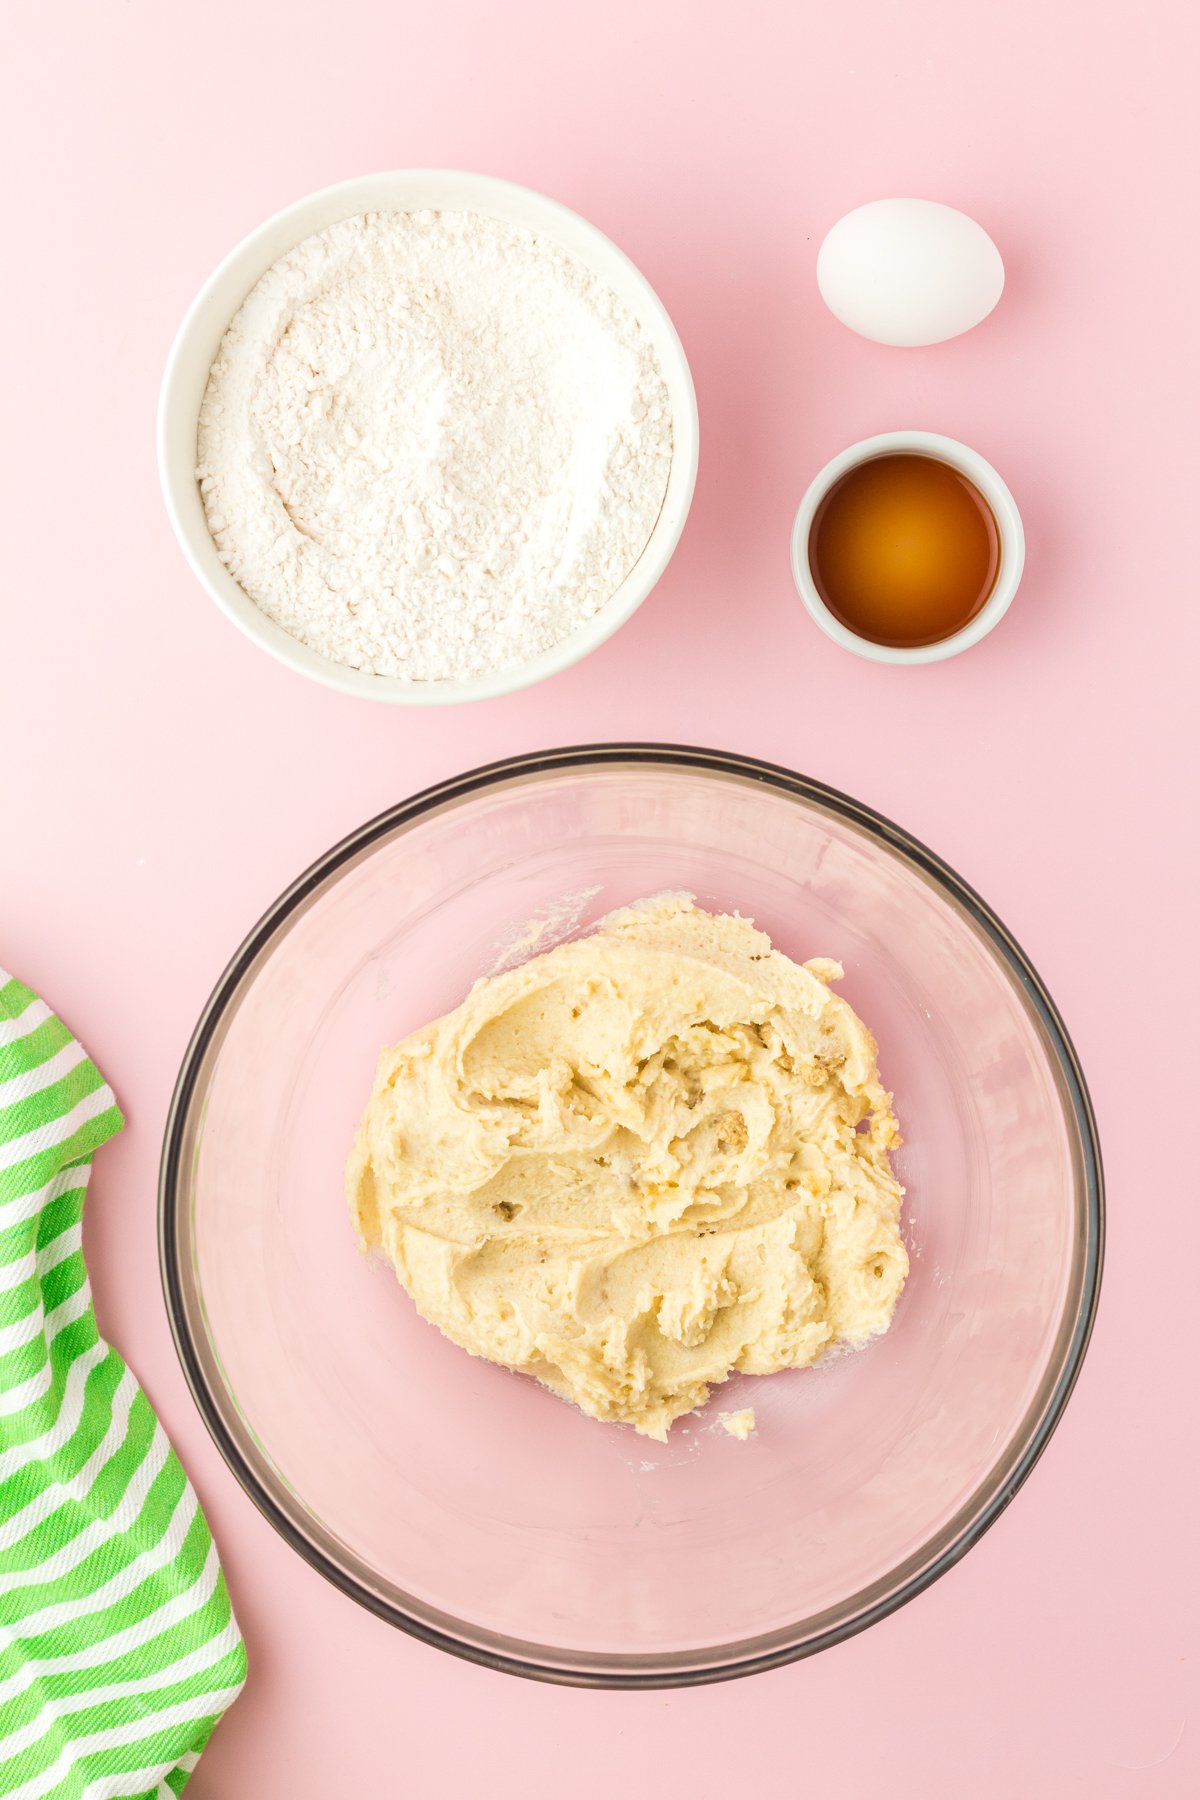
(904, 550)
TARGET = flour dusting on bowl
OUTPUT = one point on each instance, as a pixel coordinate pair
(432, 444)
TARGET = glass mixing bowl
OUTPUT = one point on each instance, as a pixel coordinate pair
(467, 1504)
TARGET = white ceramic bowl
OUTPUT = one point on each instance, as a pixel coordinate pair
(410, 190)
(995, 492)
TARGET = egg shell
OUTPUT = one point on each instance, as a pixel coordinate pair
(909, 272)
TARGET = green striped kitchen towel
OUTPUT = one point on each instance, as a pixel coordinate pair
(118, 1646)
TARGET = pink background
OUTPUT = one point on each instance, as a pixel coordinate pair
(169, 779)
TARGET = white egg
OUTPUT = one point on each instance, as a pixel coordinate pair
(909, 272)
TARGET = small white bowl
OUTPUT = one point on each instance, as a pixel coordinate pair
(411, 190)
(1008, 521)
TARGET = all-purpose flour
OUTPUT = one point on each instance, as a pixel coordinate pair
(432, 444)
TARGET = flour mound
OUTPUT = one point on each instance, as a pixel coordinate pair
(432, 445)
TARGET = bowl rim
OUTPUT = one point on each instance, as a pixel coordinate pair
(606, 1669)
(449, 190)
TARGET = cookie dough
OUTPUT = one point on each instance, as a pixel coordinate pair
(639, 1163)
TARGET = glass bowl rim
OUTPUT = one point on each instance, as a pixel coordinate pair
(608, 1669)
